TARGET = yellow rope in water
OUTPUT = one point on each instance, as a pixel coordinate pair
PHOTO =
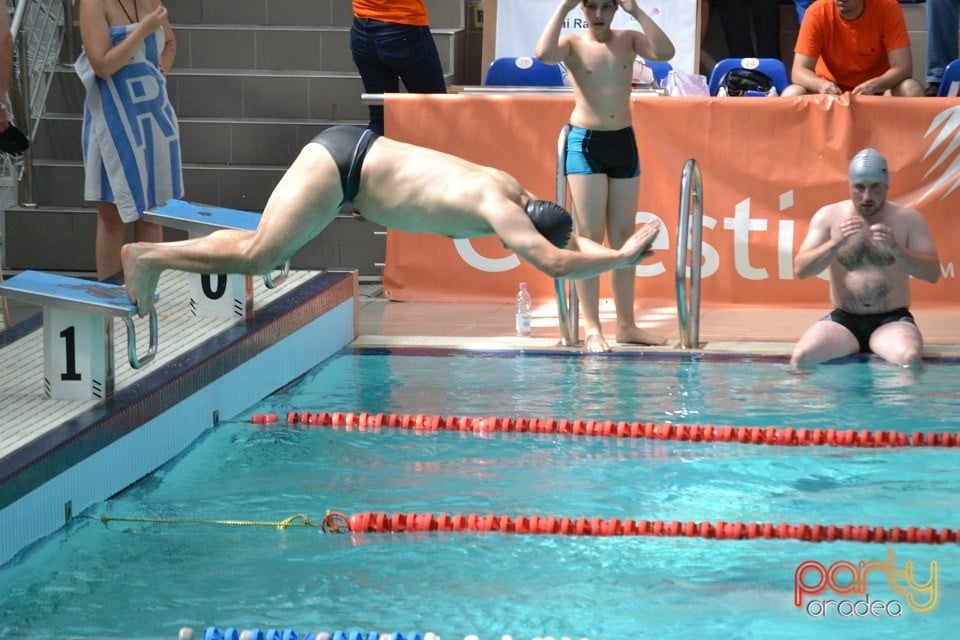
(299, 520)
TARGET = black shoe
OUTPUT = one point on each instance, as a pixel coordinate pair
(932, 89)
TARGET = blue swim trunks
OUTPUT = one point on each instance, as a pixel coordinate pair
(611, 152)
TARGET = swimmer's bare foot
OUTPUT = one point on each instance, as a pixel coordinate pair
(139, 280)
(636, 335)
(594, 343)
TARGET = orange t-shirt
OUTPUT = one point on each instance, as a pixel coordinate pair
(849, 52)
(411, 12)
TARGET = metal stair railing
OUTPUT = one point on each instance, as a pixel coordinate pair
(39, 29)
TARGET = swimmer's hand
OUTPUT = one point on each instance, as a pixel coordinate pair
(851, 226)
(883, 236)
(638, 246)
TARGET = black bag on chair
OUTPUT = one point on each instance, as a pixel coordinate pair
(745, 82)
(13, 141)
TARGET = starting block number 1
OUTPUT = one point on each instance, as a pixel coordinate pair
(77, 354)
(218, 295)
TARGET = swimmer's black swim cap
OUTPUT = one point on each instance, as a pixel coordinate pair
(551, 220)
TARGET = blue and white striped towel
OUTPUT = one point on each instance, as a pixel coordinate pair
(130, 137)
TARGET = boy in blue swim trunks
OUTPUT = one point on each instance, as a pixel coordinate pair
(602, 164)
(871, 247)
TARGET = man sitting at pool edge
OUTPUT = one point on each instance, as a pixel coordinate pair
(871, 246)
(394, 184)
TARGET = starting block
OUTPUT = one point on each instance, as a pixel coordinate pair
(78, 331)
(214, 295)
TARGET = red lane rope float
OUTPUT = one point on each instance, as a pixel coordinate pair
(372, 522)
(783, 436)
(381, 522)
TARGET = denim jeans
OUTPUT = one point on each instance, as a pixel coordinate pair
(386, 53)
(943, 22)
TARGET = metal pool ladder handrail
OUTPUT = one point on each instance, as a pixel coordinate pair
(688, 306)
(568, 308)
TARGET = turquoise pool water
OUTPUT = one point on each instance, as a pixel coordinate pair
(148, 580)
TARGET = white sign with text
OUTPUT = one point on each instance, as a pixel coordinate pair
(520, 22)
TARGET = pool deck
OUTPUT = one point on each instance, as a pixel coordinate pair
(58, 456)
(753, 330)
(728, 329)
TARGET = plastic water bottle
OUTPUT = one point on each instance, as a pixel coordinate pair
(524, 306)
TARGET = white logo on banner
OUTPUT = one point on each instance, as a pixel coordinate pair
(946, 141)
(483, 263)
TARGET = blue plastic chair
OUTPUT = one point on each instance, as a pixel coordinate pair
(950, 83)
(522, 71)
(660, 70)
(773, 67)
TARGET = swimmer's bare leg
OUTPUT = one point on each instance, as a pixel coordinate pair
(222, 251)
(303, 203)
(589, 194)
(623, 282)
(588, 293)
(621, 207)
(628, 332)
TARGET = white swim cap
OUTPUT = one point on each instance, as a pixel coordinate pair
(869, 166)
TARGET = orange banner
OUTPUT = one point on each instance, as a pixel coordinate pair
(767, 164)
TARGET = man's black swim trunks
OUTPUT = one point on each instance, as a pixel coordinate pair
(348, 146)
(862, 325)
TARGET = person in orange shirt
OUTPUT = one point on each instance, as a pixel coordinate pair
(856, 46)
(390, 41)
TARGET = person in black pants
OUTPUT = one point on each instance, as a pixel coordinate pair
(391, 42)
(736, 17)
(943, 20)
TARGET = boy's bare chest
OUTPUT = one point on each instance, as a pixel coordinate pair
(603, 57)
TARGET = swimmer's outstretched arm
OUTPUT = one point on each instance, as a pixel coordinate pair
(586, 259)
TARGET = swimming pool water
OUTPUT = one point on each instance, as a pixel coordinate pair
(860, 394)
(147, 580)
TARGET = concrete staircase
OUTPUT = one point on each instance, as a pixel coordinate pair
(254, 80)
